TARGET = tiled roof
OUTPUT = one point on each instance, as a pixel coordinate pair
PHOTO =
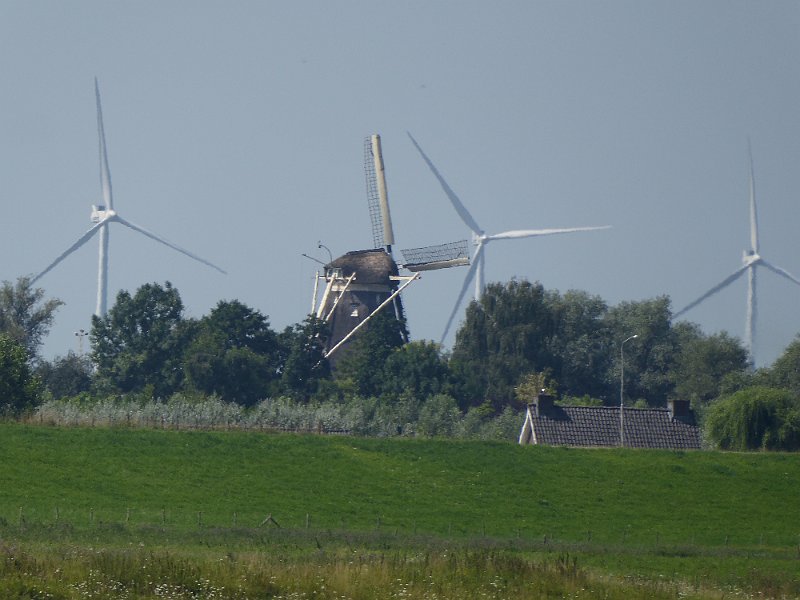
(599, 426)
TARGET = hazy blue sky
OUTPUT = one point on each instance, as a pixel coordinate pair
(235, 129)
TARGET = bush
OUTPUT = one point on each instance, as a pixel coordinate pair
(19, 388)
(438, 416)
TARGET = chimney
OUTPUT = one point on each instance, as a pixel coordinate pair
(679, 409)
(543, 404)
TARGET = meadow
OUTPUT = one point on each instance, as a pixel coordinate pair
(137, 513)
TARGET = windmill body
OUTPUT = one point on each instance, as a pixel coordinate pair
(101, 217)
(480, 239)
(361, 283)
(751, 261)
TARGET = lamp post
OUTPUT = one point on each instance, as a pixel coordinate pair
(622, 389)
(330, 256)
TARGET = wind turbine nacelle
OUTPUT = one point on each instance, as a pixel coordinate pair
(749, 257)
(98, 212)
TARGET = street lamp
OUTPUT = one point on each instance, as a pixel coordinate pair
(622, 389)
(330, 256)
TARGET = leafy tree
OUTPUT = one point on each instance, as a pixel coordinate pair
(19, 388)
(364, 360)
(531, 385)
(650, 358)
(418, 367)
(305, 368)
(520, 328)
(703, 363)
(581, 344)
(24, 315)
(140, 343)
(66, 376)
(785, 371)
(503, 336)
(755, 418)
(233, 354)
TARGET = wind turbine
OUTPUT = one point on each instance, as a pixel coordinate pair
(751, 260)
(480, 238)
(102, 216)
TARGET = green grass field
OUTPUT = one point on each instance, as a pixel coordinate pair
(580, 523)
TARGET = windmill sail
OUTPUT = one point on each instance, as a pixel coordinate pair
(377, 194)
(442, 256)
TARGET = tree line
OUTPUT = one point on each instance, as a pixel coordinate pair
(517, 338)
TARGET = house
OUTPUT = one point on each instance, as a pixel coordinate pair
(671, 428)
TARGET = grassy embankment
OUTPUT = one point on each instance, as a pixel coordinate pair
(106, 502)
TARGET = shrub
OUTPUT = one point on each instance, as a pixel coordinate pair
(19, 388)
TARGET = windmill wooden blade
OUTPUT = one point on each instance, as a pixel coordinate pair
(377, 194)
(441, 256)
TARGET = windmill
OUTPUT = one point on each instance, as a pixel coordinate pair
(480, 239)
(102, 216)
(361, 283)
(751, 260)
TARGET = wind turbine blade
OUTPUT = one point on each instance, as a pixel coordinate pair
(460, 208)
(523, 233)
(727, 281)
(81, 241)
(464, 287)
(780, 271)
(753, 213)
(105, 172)
(153, 236)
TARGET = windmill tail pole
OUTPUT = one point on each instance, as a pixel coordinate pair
(339, 297)
(372, 314)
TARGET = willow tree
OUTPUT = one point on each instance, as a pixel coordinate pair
(25, 316)
(755, 418)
